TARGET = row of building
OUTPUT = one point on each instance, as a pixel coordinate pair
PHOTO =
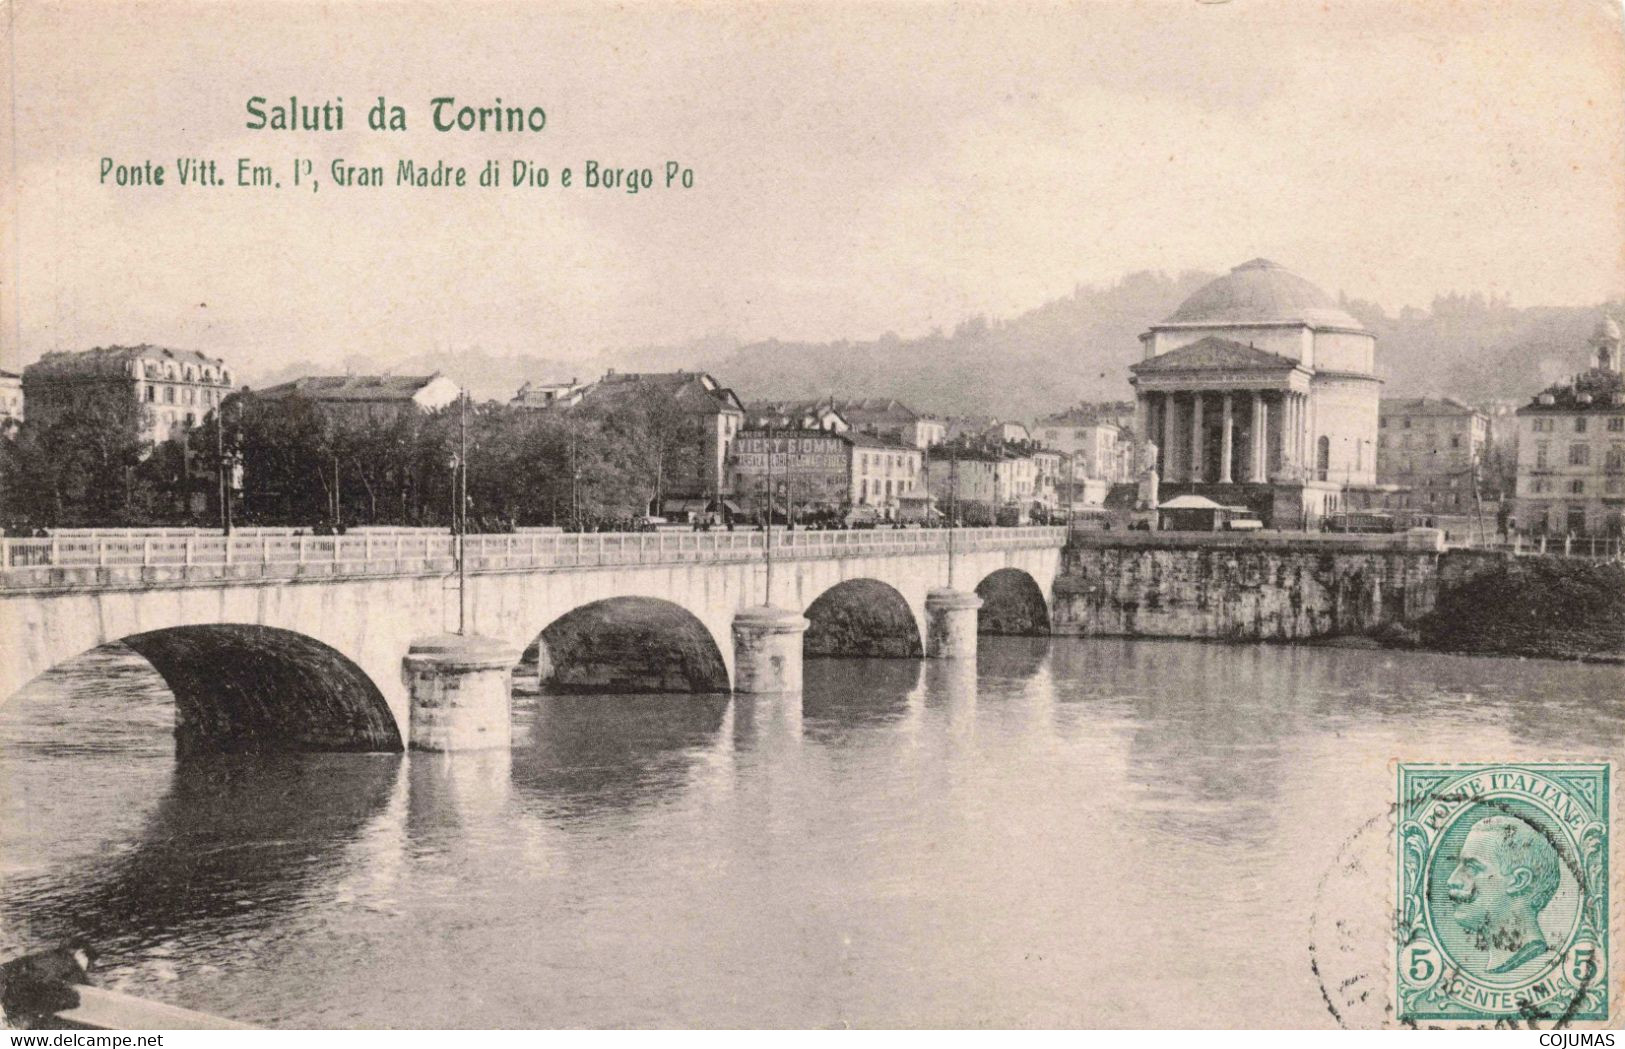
(811, 459)
(1258, 391)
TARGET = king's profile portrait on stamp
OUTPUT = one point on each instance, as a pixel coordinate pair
(1503, 892)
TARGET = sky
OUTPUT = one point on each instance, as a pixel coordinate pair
(858, 167)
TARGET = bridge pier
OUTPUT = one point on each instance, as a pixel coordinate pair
(950, 624)
(461, 688)
(767, 649)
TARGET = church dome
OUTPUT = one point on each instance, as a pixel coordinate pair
(1260, 292)
(1607, 330)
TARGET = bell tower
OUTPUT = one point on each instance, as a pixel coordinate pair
(1606, 342)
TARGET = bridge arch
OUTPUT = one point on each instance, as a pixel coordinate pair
(1012, 603)
(243, 688)
(630, 644)
(862, 617)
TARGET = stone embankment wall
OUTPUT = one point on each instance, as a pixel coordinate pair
(1241, 587)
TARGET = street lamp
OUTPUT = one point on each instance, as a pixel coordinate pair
(226, 464)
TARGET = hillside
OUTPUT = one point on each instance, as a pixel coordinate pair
(1074, 348)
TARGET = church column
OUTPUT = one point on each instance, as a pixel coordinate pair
(1261, 425)
(1227, 442)
(1197, 458)
(1297, 431)
(1303, 433)
(1168, 412)
(1289, 433)
(1142, 414)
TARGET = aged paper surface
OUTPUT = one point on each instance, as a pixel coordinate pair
(1192, 437)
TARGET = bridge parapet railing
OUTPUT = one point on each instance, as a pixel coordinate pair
(107, 560)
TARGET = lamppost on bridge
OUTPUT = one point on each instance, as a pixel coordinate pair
(227, 463)
(950, 614)
(461, 684)
(766, 639)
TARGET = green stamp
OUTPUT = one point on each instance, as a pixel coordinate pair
(1503, 892)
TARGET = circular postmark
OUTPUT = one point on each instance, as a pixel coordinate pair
(1479, 898)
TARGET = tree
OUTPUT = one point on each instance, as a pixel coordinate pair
(78, 468)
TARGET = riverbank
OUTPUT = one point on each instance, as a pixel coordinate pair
(1547, 607)
(1340, 590)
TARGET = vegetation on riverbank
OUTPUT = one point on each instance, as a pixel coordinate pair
(1556, 608)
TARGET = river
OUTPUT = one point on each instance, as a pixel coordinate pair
(1075, 832)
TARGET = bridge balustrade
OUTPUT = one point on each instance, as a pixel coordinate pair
(118, 560)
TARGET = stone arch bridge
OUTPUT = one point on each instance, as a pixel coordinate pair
(279, 642)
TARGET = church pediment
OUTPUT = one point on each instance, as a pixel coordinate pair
(1215, 353)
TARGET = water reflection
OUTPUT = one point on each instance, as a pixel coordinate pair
(587, 754)
(843, 696)
(931, 843)
(234, 841)
(450, 793)
(1009, 658)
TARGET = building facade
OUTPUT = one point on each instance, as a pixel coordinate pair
(1260, 380)
(537, 396)
(822, 472)
(1099, 449)
(991, 477)
(1571, 450)
(1432, 450)
(174, 389)
(886, 473)
(806, 469)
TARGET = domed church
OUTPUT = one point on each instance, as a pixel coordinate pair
(1260, 381)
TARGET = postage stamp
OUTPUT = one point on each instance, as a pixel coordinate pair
(1503, 892)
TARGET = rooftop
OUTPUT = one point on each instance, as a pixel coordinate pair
(114, 359)
(352, 387)
(1213, 352)
(693, 391)
(1424, 406)
(1595, 390)
(1261, 292)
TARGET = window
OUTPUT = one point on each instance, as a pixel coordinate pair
(1616, 424)
(1616, 458)
(1613, 486)
(1580, 424)
(1579, 455)
(1455, 441)
(152, 393)
(1382, 423)
(1541, 485)
(1542, 450)
(1405, 422)
(1577, 486)
(169, 395)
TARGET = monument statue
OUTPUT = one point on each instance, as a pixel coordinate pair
(1147, 496)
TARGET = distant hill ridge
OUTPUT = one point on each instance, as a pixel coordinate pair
(1074, 348)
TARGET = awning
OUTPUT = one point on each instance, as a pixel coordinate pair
(1190, 502)
(683, 506)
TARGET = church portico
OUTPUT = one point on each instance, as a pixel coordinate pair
(1226, 428)
(1230, 391)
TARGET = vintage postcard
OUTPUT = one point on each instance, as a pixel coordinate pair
(1096, 514)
